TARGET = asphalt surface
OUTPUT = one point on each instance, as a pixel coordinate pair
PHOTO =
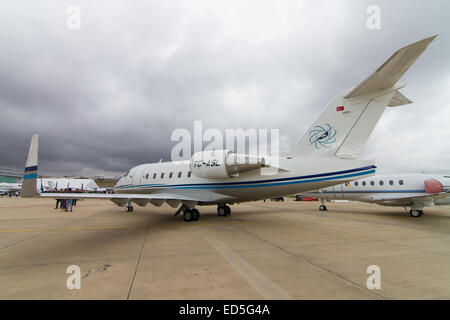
(263, 250)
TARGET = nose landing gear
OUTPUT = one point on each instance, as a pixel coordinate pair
(415, 213)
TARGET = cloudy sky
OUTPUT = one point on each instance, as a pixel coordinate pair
(107, 97)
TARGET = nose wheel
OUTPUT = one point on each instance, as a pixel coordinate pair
(129, 209)
(415, 213)
(322, 207)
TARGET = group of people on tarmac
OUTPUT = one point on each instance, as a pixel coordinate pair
(10, 194)
(66, 204)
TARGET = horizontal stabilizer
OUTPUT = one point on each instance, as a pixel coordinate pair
(392, 70)
(398, 99)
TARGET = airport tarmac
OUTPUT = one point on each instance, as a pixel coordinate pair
(263, 250)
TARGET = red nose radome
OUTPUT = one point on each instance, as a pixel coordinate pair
(433, 186)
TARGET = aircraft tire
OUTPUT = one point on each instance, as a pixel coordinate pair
(415, 213)
(322, 207)
(196, 214)
(188, 216)
(221, 211)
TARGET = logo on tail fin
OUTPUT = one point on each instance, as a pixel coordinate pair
(322, 136)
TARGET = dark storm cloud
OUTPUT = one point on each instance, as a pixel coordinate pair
(108, 96)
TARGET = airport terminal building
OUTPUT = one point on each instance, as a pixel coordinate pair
(10, 176)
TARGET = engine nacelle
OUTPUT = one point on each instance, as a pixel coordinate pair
(221, 164)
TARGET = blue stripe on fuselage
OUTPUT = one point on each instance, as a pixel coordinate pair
(375, 191)
(255, 184)
(280, 183)
(252, 182)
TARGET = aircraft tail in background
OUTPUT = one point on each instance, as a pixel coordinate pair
(31, 170)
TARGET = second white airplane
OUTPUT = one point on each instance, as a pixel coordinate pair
(402, 190)
(10, 187)
(326, 155)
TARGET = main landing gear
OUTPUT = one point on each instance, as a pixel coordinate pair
(191, 215)
(188, 214)
(129, 208)
(415, 213)
(223, 210)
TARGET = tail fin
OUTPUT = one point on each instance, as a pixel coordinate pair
(30, 176)
(347, 122)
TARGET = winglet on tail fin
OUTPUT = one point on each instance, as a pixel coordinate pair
(30, 176)
(392, 70)
(345, 125)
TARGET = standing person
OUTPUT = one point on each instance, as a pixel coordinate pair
(69, 203)
(63, 204)
(58, 201)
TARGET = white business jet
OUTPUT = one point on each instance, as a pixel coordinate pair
(10, 187)
(326, 155)
(403, 190)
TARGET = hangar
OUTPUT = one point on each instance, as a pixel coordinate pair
(10, 176)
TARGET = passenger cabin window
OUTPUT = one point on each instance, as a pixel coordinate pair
(154, 176)
(372, 183)
(179, 174)
(363, 183)
(391, 182)
(189, 174)
(356, 183)
(400, 182)
(170, 175)
(162, 175)
(146, 176)
(381, 182)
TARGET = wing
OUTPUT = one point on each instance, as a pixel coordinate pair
(399, 200)
(156, 199)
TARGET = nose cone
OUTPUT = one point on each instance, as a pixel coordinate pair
(433, 186)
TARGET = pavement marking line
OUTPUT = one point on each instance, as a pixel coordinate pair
(206, 224)
(140, 255)
(256, 279)
(45, 232)
(67, 229)
(286, 250)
